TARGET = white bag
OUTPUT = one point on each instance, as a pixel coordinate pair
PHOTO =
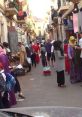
(29, 60)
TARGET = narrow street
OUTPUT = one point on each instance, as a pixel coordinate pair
(42, 90)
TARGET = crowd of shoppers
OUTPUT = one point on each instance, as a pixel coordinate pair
(9, 84)
(67, 59)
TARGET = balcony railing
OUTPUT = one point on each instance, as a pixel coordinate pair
(21, 21)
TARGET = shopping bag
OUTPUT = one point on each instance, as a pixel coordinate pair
(29, 60)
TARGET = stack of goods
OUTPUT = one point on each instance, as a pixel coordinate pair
(19, 70)
(46, 71)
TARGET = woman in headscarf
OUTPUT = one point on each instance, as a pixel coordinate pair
(4, 59)
(59, 63)
(74, 69)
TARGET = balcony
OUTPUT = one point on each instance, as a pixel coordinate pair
(63, 9)
(1, 9)
(11, 9)
(75, 1)
(20, 21)
(21, 17)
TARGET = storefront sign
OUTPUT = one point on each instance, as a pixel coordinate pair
(75, 23)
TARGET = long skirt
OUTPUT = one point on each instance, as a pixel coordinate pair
(60, 77)
(67, 65)
(74, 72)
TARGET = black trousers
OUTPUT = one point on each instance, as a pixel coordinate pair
(60, 77)
(29, 68)
(44, 62)
(33, 59)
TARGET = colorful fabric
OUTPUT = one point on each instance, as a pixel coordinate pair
(74, 67)
(10, 82)
(5, 62)
(67, 64)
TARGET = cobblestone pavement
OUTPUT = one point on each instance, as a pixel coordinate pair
(42, 90)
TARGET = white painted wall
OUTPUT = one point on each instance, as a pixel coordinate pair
(3, 25)
(3, 28)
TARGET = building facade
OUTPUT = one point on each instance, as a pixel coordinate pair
(3, 23)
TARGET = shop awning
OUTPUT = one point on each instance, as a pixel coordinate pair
(68, 11)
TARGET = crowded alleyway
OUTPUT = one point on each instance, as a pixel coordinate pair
(42, 90)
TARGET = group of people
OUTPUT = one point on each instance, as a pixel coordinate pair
(67, 59)
(9, 84)
(51, 54)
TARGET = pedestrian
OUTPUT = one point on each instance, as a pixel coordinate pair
(43, 55)
(33, 54)
(59, 62)
(48, 50)
(28, 57)
(22, 53)
(78, 49)
(52, 55)
(74, 68)
(36, 49)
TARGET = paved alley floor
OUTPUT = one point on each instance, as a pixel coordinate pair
(41, 90)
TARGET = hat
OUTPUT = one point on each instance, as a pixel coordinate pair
(72, 40)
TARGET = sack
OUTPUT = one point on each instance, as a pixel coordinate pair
(10, 82)
(19, 72)
(2, 83)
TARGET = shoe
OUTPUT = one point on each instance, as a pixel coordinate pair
(21, 96)
(59, 85)
(63, 85)
(20, 100)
